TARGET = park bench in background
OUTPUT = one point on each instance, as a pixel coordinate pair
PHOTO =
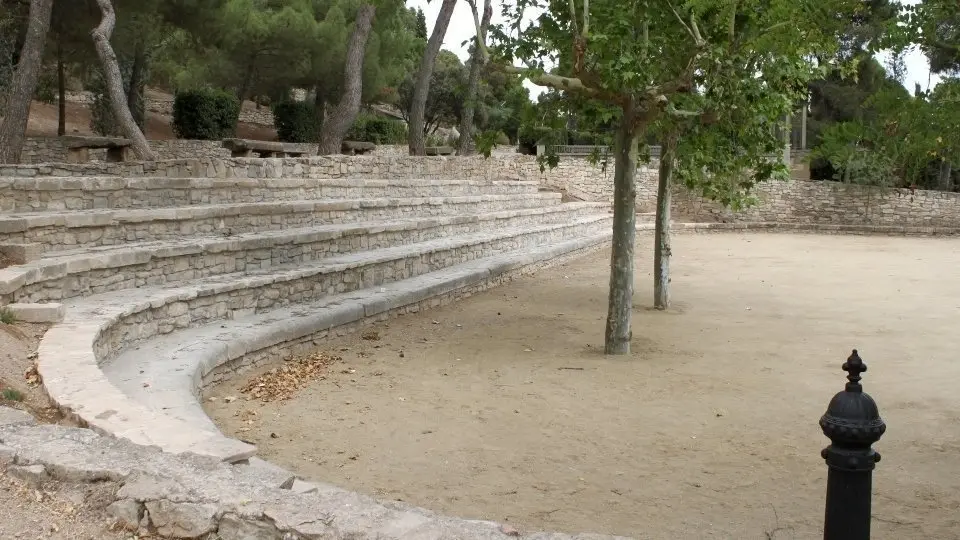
(264, 149)
(439, 150)
(352, 148)
(78, 148)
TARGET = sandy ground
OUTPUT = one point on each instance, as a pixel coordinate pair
(55, 512)
(44, 117)
(18, 345)
(502, 407)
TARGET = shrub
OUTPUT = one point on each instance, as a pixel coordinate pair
(529, 136)
(7, 316)
(205, 114)
(502, 139)
(378, 130)
(296, 122)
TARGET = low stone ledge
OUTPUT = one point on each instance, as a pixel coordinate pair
(96, 272)
(91, 228)
(37, 313)
(41, 194)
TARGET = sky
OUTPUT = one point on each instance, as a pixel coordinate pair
(462, 29)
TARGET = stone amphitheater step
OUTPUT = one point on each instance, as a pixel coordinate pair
(158, 406)
(67, 274)
(57, 230)
(86, 193)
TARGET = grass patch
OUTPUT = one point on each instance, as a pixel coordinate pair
(7, 316)
(11, 394)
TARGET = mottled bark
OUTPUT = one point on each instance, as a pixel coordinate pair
(618, 331)
(339, 120)
(138, 84)
(24, 83)
(661, 251)
(114, 82)
(417, 137)
(466, 145)
(61, 90)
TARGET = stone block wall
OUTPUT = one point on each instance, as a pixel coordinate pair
(52, 150)
(834, 203)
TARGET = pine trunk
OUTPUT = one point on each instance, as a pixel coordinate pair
(24, 82)
(342, 116)
(114, 81)
(618, 332)
(466, 146)
(661, 252)
(417, 137)
(61, 90)
(135, 101)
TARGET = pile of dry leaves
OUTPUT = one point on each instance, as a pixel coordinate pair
(281, 383)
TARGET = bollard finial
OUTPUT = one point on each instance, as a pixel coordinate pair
(854, 366)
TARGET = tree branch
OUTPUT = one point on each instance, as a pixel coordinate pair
(573, 19)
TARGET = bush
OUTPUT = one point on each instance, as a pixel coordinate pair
(502, 139)
(378, 130)
(205, 114)
(296, 122)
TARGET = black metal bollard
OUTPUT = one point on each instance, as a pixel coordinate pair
(852, 423)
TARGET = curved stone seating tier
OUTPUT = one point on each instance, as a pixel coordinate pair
(67, 274)
(91, 372)
(86, 193)
(90, 228)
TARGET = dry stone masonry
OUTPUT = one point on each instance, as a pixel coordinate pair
(187, 272)
(191, 271)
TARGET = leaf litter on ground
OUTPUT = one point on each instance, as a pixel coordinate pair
(281, 383)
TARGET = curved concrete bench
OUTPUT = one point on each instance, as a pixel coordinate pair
(94, 271)
(85, 193)
(91, 228)
(72, 352)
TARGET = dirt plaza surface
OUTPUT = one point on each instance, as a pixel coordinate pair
(503, 407)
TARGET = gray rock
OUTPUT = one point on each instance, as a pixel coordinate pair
(234, 528)
(33, 475)
(182, 520)
(12, 417)
(127, 512)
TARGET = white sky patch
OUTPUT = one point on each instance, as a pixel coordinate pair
(462, 29)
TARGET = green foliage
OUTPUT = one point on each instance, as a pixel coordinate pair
(377, 129)
(421, 27)
(7, 316)
(900, 142)
(296, 122)
(12, 394)
(205, 114)
(447, 93)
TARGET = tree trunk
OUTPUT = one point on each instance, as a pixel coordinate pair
(946, 178)
(618, 332)
(466, 146)
(417, 139)
(661, 252)
(114, 81)
(342, 116)
(61, 90)
(24, 82)
(137, 86)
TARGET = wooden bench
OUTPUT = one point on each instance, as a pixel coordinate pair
(78, 148)
(352, 148)
(439, 150)
(264, 149)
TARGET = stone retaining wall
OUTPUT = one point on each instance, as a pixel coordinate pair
(818, 202)
(52, 150)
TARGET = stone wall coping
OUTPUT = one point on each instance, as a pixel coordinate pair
(23, 221)
(114, 183)
(58, 265)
